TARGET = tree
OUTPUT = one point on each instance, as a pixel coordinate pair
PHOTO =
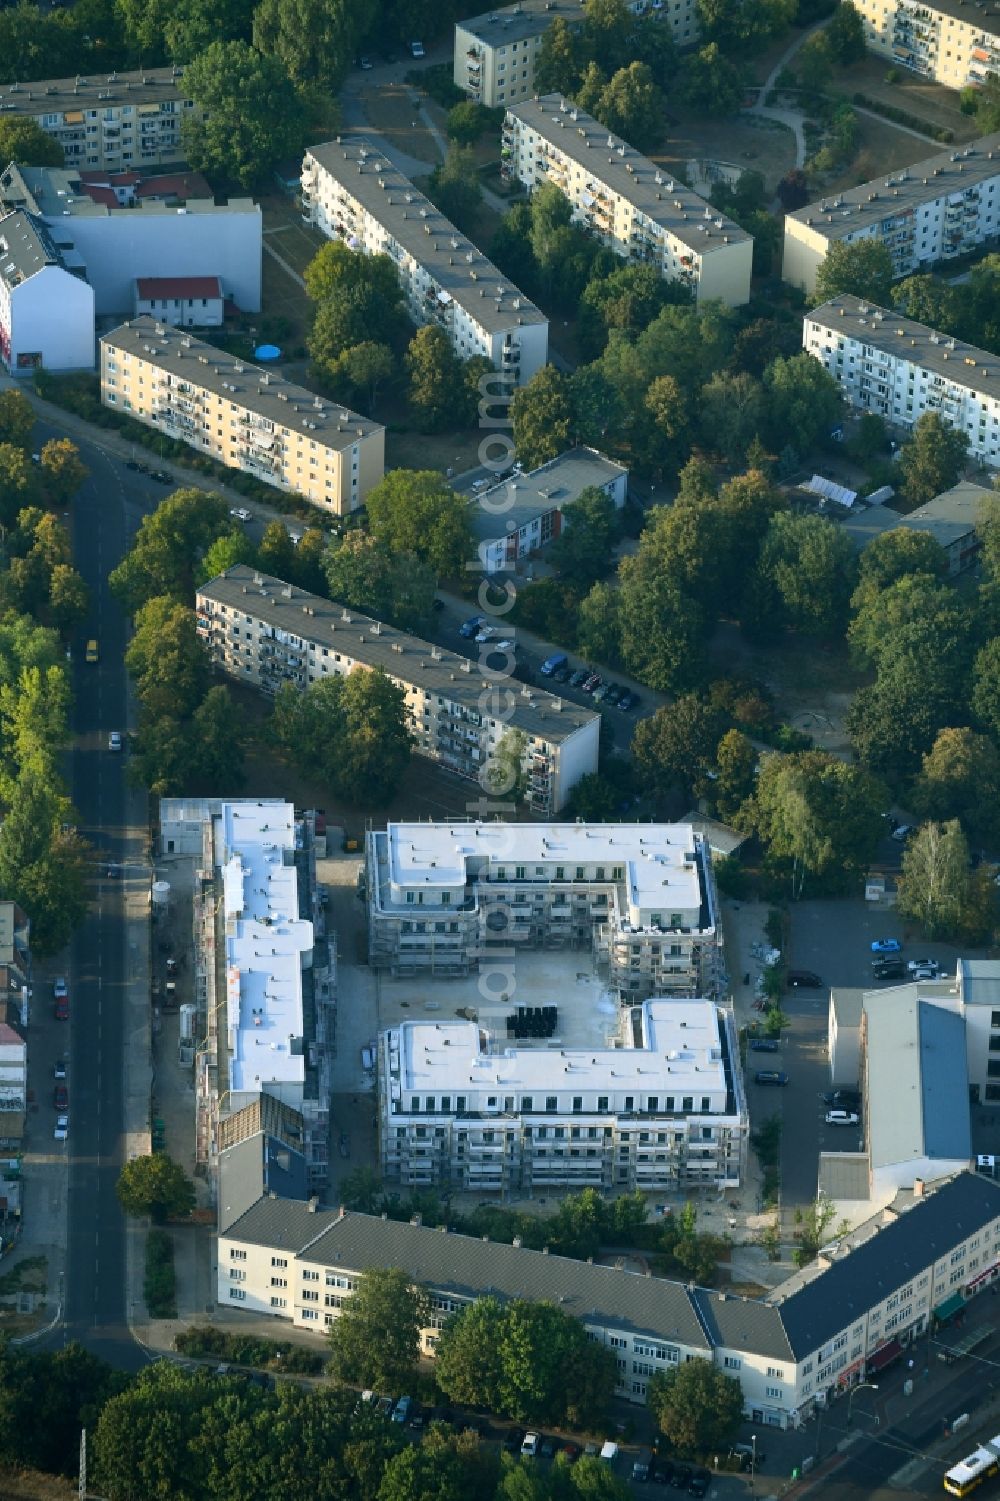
(22, 140)
(804, 401)
(416, 511)
(454, 187)
(276, 553)
(934, 880)
(18, 483)
(960, 778)
(314, 41)
(814, 63)
(675, 748)
(504, 774)
(367, 366)
(736, 772)
(818, 814)
(988, 104)
(928, 300)
(466, 122)
(793, 190)
(584, 548)
(846, 34)
(812, 1226)
(155, 1185)
(250, 114)
(167, 660)
(711, 83)
(914, 609)
(42, 865)
(597, 625)
(557, 67)
(631, 105)
(69, 599)
(807, 570)
(435, 372)
(63, 471)
(335, 271)
(864, 269)
(661, 628)
(468, 1365)
(375, 1341)
(168, 547)
(732, 412)
(891, 556)
(226, 552)
(397, 587)
(350, 730)
(933, 459)
(696, 1405)
(444, 1467)
(218, 738)
(629, 298)
(986, 686)
(17, 415)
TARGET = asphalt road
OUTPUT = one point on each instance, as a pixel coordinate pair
(103, 518)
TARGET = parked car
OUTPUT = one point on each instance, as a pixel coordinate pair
(384, 1407)
(804, 979)
(513, 1441)
(241, 513)
(601, 692)
(402, 1410)
(529, 1446)
(681, 1477)
(59, 1072)
(552, 664)
(888, 969)
(842, 1118)
(579, 677)
(561, 675)
(770, 1076)
(115, 740)
(161, 476)
(592, 683)
(931, 965)
(843, 1099)
(903, 832)
(886, 946)
(926, 973)
(699, 1483)
(627, 700)
(763, 1045)
(59, 987)
(61, 1132)
(417, 49)
(469, 627)
(93, 652)
(640, 1470)
(661, 1471)
(485, 632)
(572, 1453)
(60, 1097)
(365, 64)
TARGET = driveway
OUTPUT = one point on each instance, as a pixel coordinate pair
(790, 118)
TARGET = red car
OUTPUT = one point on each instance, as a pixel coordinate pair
(62, 1008)
(60, 1097)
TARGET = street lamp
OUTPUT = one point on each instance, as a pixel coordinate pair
(872, 1387)
(753, 1464)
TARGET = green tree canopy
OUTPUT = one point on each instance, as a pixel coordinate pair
(375, 1341)
(352, 731)
(806, 574)
(315, 41)
(933, 459)
(661, 629)
(584, 549)
(169, 545)
(697, 1406)
(960, 778)
(437, 395)
(542, 417)
(819, 815)
(166, 659)
(455, 188)
(157, 1186)
(804, 400)
(934, 883)
(863, 269)
(397, 587)
(22, 140)
(631, 105)
(250, 116)
(675, 748)
(712, 82)
(415, 511)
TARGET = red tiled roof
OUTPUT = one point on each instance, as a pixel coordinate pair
(101, 195)
(8, 1035)
(111, 179)
(152, 288)
(179, 185)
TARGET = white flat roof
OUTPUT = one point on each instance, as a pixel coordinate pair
(655, 856)
(265, 939)
(680, 1053)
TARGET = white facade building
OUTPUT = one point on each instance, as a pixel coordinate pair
(524, 512)
(13, 1069)
(46, 313)
(946, 40)
(890, 365)
(352, 192)
(838, 1322)
(264, 632)
(640, 897)
(933, 211)
(495, 53)
(632, 206)
(661, 1106)
(181, 301)
(111, 245)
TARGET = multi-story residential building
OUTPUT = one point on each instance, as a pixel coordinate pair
(352, 192)
(890, 365)
(634, 207)
(265, 978)
(933, 211)
(181, 301)
(125, 121)
(242, 416)
(495, 53)
(660, 1106)
(640, 897)
(522, 513)
(836, 1323)
(947, 40)
(46, 313)
(110, 243)
(263, 631)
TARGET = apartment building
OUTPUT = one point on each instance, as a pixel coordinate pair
(830, 1326)
(242, 416)
(265, 977)
(933, 211)
(659, 1107)
(110, 243)
(495, 53)
(352, 192)
(889, 364)
(523, 513)
(263, 631)
(125, 120)
(46, 313)
(640, 897)
(952, 42)
(636, 209)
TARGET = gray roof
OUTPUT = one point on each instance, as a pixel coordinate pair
(259, 1165)
(286, 1224)
(984, 16)
(610, 160)
(850, 209)
(907, 340)
(25, 248)
(467, 1267)
(743, 1324)
(520, 498)
(514, 23)
(826, 1301)
(950, 516)
(104, 91)
(404, 657)
(979, 981)
(848, 1003)
(844, 1175)
(422, 231)
(917, 1096)
(262, 391)
(59, 192)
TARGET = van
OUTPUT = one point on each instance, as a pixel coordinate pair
(401, 1412)
(763, 1045)
(92, 653)
(552, 664)
(769, 1076)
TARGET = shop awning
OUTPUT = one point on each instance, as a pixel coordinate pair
(949, 1308)
(884, 1356)
(990, 1271)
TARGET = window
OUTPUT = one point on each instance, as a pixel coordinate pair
(279, 1281)
(732, 1362)
(235, 1255)
(279, 1302)
(279, 1261)
(238, 1294)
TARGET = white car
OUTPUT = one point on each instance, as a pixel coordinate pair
(61, 1132)
(417, 49)
(902, 834)
(842, 1118)
(115, 740)
(60, 989)
(930, 965)
(485, 632)
(241, 513)
(926, 973)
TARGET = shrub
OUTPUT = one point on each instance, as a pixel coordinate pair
(249, 1350)
(159, 1282)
